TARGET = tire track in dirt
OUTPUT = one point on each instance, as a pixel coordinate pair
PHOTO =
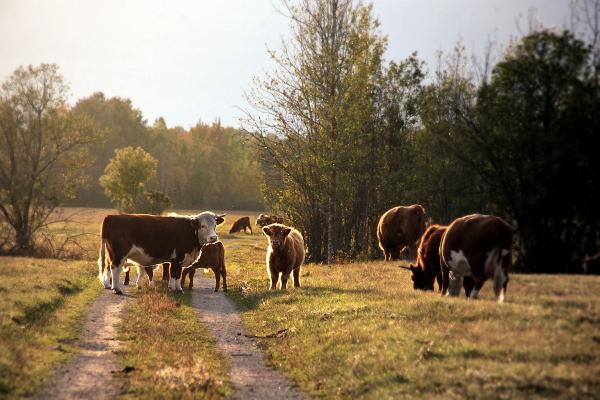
(250, 376)
(93, 374)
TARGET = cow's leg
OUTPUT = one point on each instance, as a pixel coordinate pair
(140, 276)
(185, 272)
(274, 279)
(115, 269)
(174, 282)
(469, 285)
(224, 276)
(456, 283)
(297, 277)
(150, 273)
(191, 275)
(474, 293)
(165, 267)
(500, 281)
(284, 279)
(217, 279)
(126, 280)
(439, 278)
(249, 227)
(445, 279)
(395, 253)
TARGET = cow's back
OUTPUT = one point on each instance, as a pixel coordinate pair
(296, 247)
(428, 256)
(402, 224)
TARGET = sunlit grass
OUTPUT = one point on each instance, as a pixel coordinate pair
(42, 307)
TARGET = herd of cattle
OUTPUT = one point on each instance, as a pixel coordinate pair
(464, 254)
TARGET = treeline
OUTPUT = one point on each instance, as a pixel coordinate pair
(345, 136)
(207, 166)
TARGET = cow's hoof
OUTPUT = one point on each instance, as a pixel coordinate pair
(117, 291)
(224, 289)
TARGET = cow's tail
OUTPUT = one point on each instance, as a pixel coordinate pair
(101, 261)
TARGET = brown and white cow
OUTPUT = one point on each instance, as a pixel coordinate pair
(212, 255)
(151, 239)
(400, 228)
(476, 246)
(241, 225)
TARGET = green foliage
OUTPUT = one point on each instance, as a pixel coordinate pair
(157, 202)
(43, 152)
(125, 178)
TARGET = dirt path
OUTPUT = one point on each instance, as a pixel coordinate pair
(93, 373)
(250, 377)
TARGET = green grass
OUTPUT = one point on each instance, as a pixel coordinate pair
(360, 331)
(173, 355)
(42, 308)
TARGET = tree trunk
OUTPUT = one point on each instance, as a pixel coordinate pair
(331, 218)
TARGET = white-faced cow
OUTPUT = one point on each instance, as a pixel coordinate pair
(151, 239)
(399, 228)
(476, 246)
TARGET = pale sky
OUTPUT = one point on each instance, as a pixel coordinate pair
(192, 60)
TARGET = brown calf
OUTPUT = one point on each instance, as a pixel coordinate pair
(400, 228)
(285, 254)
(212, 255)
(241, 225)
(428, 267)
(476, 246)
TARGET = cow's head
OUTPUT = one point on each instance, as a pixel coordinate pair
(419, 277)
(276, 234)
(205, 224)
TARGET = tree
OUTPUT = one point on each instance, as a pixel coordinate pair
(311, 117)
(43, 150)
(125, 178)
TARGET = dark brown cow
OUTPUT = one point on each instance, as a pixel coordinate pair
(151, 239)
(266, 219)
(400, 228)
(212, 255)
(428, 267)
(476, 246)
(285, 254)
(241, 225)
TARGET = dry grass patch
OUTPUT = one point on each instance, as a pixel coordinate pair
(169, 354)
(42, 308)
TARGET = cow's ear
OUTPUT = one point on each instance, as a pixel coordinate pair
(219, 218)
(286, 231)
(266, 230)
(412, 267)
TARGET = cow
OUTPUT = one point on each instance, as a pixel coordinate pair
(285, 254)
(591, 264)
(151, 239)
(476, 246)
(266, 219)
(400, 228)
(212, 255)
(241, 225)
(428, 269)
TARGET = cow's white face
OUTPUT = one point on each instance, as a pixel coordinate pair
(207, 226)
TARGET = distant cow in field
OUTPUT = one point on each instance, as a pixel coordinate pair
(151, 239)
(266, 219)
(241, 225)
(400, 228)
(476, 246)
(285, 254)
(428, 269)
(212, 255)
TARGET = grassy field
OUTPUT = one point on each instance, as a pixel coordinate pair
(360, 331)
(42, 305)
(353, 331)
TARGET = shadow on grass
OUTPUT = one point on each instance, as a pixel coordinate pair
(253, 299)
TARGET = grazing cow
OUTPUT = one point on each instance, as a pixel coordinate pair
(285, 254)
(241, 225)
(476, 246)
(212, 255)
(266, 219)
(400, 228)
(428, 267)
(151, 239)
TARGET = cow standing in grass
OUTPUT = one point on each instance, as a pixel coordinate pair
(285, 254)
(151, 239)
(212, 255)
(400, 228)
(241, 225)
(476, 246)
(428, 269)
